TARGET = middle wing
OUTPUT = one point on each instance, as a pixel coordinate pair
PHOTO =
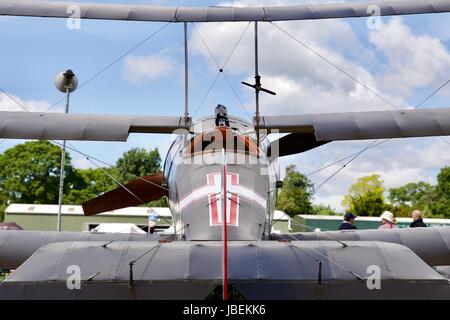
(313, 130)
(60, 126)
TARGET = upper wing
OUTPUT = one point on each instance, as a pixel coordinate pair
(60, 126)
(211, 14)
(313, 130)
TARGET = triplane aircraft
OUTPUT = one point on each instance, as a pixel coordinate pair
(220, 176)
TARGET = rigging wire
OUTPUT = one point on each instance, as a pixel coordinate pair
(160, 242)
(15, 100)
(117, 181)
(298, 223)
(342, 159)
(313, 229)
(326, 258)
(95, 75)
(344, 166)
(221, 67)
(90, 278)
(371, 145)
(213, 83)
(445, 140)
(353, 157)
(334, 65)
(88, 157)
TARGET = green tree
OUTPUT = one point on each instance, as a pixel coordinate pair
(138, 162)
(365, 197)
(323, 210)
(441, 204)
(94, 183)
(295, 196)
(133, 163)
(411, 196)
(29, 173)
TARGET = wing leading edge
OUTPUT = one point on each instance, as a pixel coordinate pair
(313, 130)
(60, 126)
(129, 12)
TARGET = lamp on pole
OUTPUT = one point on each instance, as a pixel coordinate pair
(65, 82)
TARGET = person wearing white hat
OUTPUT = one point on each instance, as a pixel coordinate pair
(387, 221)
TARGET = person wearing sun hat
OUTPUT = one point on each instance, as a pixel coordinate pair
(387, 220)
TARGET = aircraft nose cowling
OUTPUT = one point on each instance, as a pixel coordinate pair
(201, 202)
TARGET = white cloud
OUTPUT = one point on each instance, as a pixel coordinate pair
(8, 104)
(83, 163)
(397, 161)
(138, 69)
(412, 61)
(281, 56)
(305, 83)
(301, 97)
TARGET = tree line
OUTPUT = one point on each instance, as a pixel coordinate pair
(29, 173)
(369, 197)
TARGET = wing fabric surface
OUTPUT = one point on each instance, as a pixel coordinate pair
(130, 12)
(313, 130)
(60, 126)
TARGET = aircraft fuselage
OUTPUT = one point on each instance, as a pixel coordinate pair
(194, 174)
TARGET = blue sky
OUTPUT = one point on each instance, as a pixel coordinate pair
(34, 50)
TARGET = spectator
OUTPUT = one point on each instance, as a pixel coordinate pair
(349, 222)
(387, 221)
(152, 220)
(417, 220)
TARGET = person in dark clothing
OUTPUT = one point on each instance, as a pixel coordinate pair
(417, 220)
(349, 222)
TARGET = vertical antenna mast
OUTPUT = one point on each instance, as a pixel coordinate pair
(62, 173)
(65, 82)
(257, 83)
(186, 72)
(257, 86)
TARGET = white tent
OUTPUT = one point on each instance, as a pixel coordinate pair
(118, 228)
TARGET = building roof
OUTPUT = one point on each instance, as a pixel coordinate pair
(46, 209)
(10, 226)
(118, 228)
(280, 215)
(52, 209)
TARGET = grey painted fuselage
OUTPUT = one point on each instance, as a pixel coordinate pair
(194, 174)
